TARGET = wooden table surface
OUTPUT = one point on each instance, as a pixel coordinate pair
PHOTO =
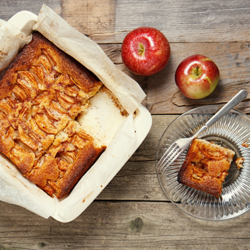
(133, 212)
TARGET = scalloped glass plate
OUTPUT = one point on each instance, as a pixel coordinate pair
(231, 131)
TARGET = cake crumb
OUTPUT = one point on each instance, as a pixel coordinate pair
(245, 144)
(239, 162)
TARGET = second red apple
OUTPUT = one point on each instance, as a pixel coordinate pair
(197, 76)
(145, 51)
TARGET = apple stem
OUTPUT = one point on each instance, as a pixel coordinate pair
(197, 71)
(141, 49)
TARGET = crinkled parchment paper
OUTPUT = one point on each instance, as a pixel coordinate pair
(11, 39)
(120, 138)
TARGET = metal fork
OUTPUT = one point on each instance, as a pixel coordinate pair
(175, 150)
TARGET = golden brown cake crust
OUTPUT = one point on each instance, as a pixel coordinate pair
(206, 167)
(57, 58)
(41, 94)
(67, 159)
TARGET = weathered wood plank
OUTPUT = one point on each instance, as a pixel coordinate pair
(163, 96)
(121, 225)
(10, 7)
(136, 181)
(90, 16)
(183, 21)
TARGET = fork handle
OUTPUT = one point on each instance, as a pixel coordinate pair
(231, 104)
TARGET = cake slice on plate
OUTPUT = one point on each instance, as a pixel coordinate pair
(206, 166)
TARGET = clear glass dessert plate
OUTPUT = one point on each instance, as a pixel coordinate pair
(231, 131)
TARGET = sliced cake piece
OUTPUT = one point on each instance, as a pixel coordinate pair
(206, 166)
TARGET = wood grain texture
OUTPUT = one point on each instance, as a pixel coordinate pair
(10, 7)
(137, 181)
(183, 21)
(90, 17)
(121, 225)
(108, 21)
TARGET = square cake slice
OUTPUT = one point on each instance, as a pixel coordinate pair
(206, 166)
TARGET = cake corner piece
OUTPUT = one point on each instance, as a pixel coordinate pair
(206, 166)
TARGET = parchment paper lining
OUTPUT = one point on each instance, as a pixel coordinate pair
(16, 189)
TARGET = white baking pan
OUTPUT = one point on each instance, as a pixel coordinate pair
(71, 207)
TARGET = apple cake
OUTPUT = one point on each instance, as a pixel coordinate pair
(41, 94)
(206, 166)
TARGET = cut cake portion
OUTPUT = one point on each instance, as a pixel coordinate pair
(206, 166)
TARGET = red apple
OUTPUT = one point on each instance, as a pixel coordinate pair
(197, 76)
(145, 51)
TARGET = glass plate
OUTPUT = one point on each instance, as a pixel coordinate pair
(231, 131)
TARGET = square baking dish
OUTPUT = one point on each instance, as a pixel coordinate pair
(71, 207)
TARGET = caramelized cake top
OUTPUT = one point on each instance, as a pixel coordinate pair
(41, 94)
(206, 166)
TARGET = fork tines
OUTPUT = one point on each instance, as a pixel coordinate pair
(169, 157)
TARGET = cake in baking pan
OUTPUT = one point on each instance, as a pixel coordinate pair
(206, 166)
(41, 94)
